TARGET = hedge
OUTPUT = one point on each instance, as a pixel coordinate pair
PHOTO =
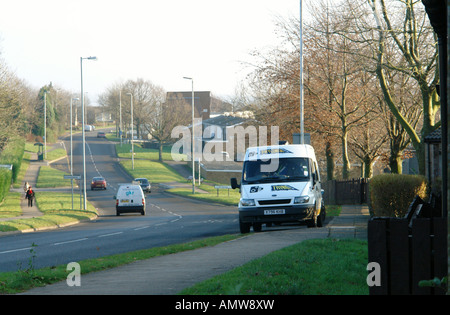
(12, 154)
(391, 194)
(5, 182)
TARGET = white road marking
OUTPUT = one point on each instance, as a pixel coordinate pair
(15, 250)
(111, 234)
(73, 241)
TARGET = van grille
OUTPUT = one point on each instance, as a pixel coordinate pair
(274, 202)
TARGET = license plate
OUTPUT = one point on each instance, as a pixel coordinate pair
(125, 200)
(274, 212)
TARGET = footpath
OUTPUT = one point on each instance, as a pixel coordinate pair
(31, 176)
(168, 275)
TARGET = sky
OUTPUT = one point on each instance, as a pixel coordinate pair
(42, 41)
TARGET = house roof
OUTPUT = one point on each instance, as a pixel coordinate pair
(434, 137)
(224, 121)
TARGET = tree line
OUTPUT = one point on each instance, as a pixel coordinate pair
(370, 82)
(370, 78)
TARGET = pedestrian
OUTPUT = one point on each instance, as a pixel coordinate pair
(30, 196)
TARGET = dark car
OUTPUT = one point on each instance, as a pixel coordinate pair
(98, 182)
(145, 184)
(101, 134)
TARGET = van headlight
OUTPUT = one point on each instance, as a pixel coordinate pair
(301, 199)
(248, 202)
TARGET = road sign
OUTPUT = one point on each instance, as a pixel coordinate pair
(72, 176)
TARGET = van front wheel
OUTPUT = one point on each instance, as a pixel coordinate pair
(244, 227)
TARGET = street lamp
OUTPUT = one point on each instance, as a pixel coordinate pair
(45, 125)
(193, 143)
(83, 132)
(132, 133)
(71, 144)
(120, 117)
(302, 119)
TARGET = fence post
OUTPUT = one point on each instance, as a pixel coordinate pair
(399, 257)
(377, 250)
(421, 251)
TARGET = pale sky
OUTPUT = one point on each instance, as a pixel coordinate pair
(160, 41)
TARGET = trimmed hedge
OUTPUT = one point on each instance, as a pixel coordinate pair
(5, 182)
(12, 154)
(391, 194)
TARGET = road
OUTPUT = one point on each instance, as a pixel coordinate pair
(169, 219)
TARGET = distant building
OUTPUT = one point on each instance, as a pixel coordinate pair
(202, 102)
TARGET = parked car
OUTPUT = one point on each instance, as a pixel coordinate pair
(145, 184)
(130, 198)
(98, 182)
(101, 134)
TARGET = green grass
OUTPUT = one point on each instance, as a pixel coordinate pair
(10, 207)
(55, 154)
(30, 147)
(124, 151)
(312, 267)
(57, 210)
(155, 172)
(51, 178)
(15, 282)
(211, 196)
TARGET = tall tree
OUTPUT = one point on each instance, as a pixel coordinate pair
(401, 39)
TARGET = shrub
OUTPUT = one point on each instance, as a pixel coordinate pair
(13, 154)
(5, 182)
(391, 194)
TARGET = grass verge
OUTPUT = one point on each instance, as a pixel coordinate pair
(231, 199)
(51, 178)
(312, 267)
(124, 151)
(10, 207)
(15, 282)
(156, 172)
(56, 207)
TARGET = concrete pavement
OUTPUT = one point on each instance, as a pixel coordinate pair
(30, 177)
(168, 275)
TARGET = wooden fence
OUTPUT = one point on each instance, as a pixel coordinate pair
(408, 250)
(352, 191)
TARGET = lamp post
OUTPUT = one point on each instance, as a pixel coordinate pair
(71, 143)
(193, 143)
(45, 125)
(120, 117)
(132, 132)
(83, 132)
(302, 124)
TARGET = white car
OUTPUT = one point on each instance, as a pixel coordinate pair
(130, 198)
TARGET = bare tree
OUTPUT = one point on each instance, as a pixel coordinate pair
(399, 38)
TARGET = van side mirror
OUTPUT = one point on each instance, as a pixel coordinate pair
(234, 183)
(115, 197)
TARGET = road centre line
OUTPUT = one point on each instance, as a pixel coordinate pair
(142, 228)
(68, 242)
(111, 234)
(15, 250)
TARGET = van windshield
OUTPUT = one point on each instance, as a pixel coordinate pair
(276, 170)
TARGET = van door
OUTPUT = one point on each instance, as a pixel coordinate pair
(317, 189)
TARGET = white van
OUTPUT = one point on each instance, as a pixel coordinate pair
(130, 198)
(279, 184)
